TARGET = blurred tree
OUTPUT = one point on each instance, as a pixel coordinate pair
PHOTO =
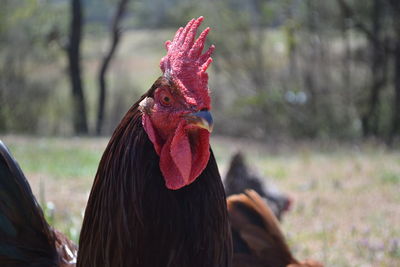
(370, 116)
(276, 57)
(395, 12)
(311, 26)
(243, 66)
(26, 80)
(115, 38)
(78, 96)
(381, 27)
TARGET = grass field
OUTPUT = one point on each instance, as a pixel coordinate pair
(346, 197)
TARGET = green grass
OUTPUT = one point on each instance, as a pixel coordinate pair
(391, 177)
(58, 161)
(346, 198)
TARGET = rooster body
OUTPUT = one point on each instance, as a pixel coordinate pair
(158, 199)
(26, 240)
(132, 219)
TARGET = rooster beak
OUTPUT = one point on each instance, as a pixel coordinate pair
(201, 119)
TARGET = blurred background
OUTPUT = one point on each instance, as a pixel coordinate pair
(308, 89)
(294, 68)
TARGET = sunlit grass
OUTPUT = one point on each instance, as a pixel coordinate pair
(58, 161)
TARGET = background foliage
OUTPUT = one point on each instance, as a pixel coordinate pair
(293, 68)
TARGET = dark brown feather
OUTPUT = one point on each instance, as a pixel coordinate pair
(132, 219)
(25, 237)
(257, 238)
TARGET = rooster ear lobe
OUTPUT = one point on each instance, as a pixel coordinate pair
(146, 105)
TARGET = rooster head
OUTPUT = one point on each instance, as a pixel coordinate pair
(176, 117)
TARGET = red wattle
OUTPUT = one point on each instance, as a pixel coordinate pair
(183, 156)
(181, 161)
(151, 133)
(201, 154)
(181, 153)
(173, 178)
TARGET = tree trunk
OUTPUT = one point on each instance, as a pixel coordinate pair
(396, 102)
(310, 70)
(78, 97)
(378, 47)
(346, 74)
(257, 68)
(378, 75)
(116, 34)
(395, 131)
(3, 125)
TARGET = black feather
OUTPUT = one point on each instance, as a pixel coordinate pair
(25, 237)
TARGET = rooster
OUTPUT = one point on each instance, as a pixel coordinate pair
(25, 237)
(257, 238)
(157, 198)
(239, 178)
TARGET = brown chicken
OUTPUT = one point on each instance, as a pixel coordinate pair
(239, 178)
(257, 238)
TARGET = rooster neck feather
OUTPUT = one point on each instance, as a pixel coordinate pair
(132, 219)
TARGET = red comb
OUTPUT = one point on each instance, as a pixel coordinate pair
(185, 64)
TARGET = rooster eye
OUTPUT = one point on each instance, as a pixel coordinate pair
(165, 99)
